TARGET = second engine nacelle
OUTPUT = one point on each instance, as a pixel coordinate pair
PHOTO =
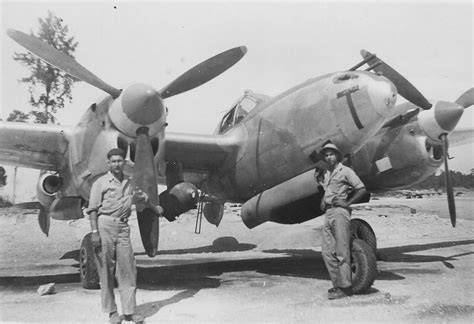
(48, 185)
(179, 199)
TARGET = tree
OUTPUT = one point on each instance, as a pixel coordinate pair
(18, 116)
(48, 86)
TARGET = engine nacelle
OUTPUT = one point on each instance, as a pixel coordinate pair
(48, 185)
(179, 199)
(397, 159)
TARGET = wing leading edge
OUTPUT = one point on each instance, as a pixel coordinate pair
(34, 146)
(200, 152)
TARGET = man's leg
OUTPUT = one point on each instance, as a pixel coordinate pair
(328, 248)
(126, 271)
(105, 261)
(342, 235)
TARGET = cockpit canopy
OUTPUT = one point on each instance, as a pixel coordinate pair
(239, 110)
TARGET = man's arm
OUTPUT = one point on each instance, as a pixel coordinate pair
(95, 201)
(357, 196)
(359, 190)
(95, 238)
(141, 201)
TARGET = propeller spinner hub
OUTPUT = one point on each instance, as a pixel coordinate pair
(138, 105)
(441, 119)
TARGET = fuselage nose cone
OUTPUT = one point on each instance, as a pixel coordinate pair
(142, 104)
(447, 114)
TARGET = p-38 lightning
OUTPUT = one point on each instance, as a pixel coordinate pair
(263, 153)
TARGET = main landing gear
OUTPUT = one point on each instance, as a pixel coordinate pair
(363, 256)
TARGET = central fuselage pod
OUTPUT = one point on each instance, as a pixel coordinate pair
(281, 138)
(114, 123)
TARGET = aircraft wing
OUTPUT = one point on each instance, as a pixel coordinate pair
(199, 152)
(461, 136)
(36, 146)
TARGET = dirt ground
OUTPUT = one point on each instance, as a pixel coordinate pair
(273, 273)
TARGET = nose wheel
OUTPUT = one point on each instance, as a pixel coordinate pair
(87, 268)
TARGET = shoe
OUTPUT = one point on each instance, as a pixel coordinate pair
(115, 318)
(135, 318)
(340, 293)
(333, 289)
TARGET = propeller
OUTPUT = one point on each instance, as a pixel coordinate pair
(466, 99)
(144, 179)
(447, 177)
(60, 60)
(404, 87)
(44, 220)
(203, 72)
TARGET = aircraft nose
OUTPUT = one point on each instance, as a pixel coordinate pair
(142, 104)
(383, 95)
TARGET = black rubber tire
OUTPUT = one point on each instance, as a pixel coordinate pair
(362, 230)
(87, 268)
(363, 266)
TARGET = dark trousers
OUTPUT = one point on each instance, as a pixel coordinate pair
(115, 258)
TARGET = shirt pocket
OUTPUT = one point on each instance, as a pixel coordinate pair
(112, 194)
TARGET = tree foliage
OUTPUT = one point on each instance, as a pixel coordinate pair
(48, 86)
(18, 116)
(458, 179)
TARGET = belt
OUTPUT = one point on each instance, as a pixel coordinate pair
(123, 219)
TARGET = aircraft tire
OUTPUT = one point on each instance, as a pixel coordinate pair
(362, 230)
(87, 268)
(363, 266)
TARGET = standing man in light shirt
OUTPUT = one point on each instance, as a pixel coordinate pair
(337, 182)
(110, 205)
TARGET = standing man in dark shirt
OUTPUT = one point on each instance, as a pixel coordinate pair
(337, 182)
(110, 205)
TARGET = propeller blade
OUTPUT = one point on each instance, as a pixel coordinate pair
(449, 186)
(60, 60)
(466, 99)
(145, 179)
(44, 220)
(404, 87)
(203, 72)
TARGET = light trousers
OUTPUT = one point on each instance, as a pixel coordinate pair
(336, 246)
(115, 259)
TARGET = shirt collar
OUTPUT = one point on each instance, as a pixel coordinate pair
(337, 168)
(112, 178)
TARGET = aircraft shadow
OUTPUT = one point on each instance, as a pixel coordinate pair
(221, 244)
(295, 263)
(399, 254)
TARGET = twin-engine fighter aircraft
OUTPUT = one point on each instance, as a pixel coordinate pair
(262, 154)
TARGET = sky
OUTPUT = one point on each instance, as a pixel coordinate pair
(429, 42)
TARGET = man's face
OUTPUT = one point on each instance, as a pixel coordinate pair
(330, 157)
(116, 164)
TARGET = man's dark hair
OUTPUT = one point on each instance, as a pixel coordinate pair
(116, 151)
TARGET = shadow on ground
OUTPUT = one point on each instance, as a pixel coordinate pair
(401, 253)
(294, 263)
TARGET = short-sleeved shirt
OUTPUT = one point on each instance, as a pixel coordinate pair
(339, 182)
(111, 197)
